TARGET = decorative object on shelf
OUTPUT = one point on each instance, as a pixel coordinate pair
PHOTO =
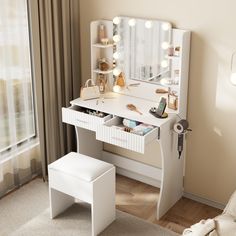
(170, 51)
(101, 32)
(132, 107)
(120, 80)
(103, 64)
(89, 91)
(101, 82)
(233, 72)
(177, 51)
(172, 100)
(105, 41)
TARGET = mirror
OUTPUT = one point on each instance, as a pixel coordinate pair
(140, 48)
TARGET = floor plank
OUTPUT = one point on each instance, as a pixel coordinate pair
(140, 200)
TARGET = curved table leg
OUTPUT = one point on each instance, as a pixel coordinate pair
(172, 170)
(87, 143)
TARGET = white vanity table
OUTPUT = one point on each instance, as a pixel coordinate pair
(92, 131)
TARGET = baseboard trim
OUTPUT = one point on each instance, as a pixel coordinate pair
(204, 201)
(134, 169)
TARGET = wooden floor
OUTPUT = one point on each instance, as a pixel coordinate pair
(140, 200)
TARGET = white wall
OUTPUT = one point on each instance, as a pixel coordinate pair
(211, 148)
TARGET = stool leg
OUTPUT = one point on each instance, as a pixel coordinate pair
(59, 202)
(103, 204)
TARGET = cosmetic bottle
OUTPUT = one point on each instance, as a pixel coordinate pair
(101, 82)
(171, 50)
(101, 33)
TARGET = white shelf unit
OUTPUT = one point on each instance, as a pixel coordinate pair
(181, 38)
(97, 71)
(99, 51)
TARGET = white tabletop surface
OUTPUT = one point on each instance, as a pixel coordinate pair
(115, 104)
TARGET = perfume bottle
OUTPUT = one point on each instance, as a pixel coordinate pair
(101, 82)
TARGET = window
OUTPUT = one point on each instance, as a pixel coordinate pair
(17, 117)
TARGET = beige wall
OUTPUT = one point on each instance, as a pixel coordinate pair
(211, 148)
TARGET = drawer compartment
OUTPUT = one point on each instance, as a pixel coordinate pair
(76, 115)
(109, 134)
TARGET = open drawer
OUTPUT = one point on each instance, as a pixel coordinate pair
(75, 115)
(109, 134)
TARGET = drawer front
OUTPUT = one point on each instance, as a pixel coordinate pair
(124, 139)
(80, 119)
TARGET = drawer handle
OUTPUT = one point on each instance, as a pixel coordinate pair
(119, 139)
(82, 121)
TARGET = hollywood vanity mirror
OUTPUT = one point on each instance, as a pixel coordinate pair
(152, 54)
(141, 48)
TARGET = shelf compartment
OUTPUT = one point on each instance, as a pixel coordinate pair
(99, 45)
(134, 142)
(76, 116)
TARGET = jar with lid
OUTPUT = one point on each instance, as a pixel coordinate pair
(103, 64)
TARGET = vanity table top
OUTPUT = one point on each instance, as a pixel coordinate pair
(115, 104)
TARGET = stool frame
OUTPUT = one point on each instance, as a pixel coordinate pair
(64, 189)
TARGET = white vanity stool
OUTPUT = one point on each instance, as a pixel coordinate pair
(76, 176)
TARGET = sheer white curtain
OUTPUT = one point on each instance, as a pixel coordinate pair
(19, 152)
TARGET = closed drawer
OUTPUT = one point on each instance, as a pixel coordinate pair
(134, 142)
(75, 115)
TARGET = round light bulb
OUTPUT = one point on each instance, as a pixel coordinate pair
(116, 88)
(165, 26)
(116, 55)
(233, 78)
(116, 20)
(165, 81)
(116, 71)
(116, 38)
(132, 22)
(148, 24)
(165, 45)
(164, 64)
